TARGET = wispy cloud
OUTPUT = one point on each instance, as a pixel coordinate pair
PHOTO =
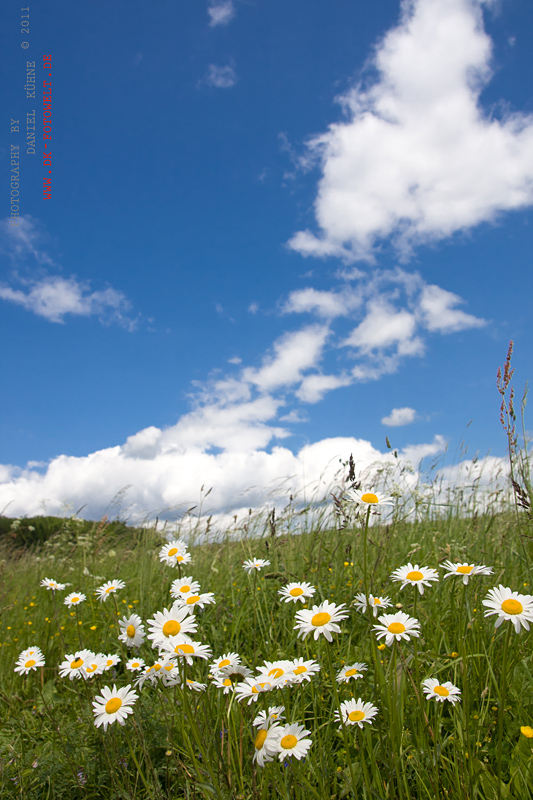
(417, 158)
(220, 77)
(220, 12)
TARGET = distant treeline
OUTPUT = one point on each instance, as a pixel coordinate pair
(35, 531)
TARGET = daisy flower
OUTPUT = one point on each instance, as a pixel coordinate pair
(48, 583)
(95, 665)
(111, 660)
(184, 586)
(466, 571)
(113, 706)
(266, 745)
(250, 689)
(171, 622)
(234, 674)
(255, 563)
(135, 664)
(183, 647)
(441, 691)
(108, 588)
(509, 605)
(224, 683)
(350, 671)
(396, 626)
(275, 670)
(29, 659)
(320, 619)
(227, 660)
(415, 575)
(73, 599)
(292, 742)
(193, 600)
(370, 498)
(195, 686)
(174, 552)
(376, 603)
(296, 591)
(355, 712)
(131, 630)
(74, 664)
(303, 670)
(267, 718)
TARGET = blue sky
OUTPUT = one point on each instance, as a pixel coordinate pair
(278, 233)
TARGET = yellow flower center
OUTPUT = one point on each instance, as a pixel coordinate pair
(179, 558)
(135, 664)
(442, 691)
(30, 663)
(130, 631)
(226, 682)
(224, 663)
(356, 716)
(512, 606)
(192, 600)
(172, 551)
(322, 618)
(185, 588)
(157, 667)
(300, 669)
(91, 668)
(289, 741)
(169, 667)
(414, 575)
(171, 628)
(255, 690)
(185, 648)
(77, 663)
(377, 601)
(113, 705)
(110, 589)
(276, 672)
(396, 627)
(465, 570)
(296, 592)
(260, 739)
(350, 672)
(109, 662)
(74, 599)
(369, 498)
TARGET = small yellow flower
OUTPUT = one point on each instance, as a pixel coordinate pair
(527, 731)
(382, 646)
(455, 655)
(93, 627)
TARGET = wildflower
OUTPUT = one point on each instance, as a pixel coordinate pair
(174, 552)
(95, 665)
(184, 586)
(320, 619)
(135, 664)
(396, 626)
(296, 591)
(255, 563)
(111, 660)
(291, 741)
(509, 605)
(303, 670)
(227, 660)
(441, 691)
(192, 600)
(223, 682)
(350, 671)
(236, 673)
(108, 588)
(275, 670)
(250, 689)
(376, 603)
(415, 575)
(74, 665)
(48, 583)
(183, 647)
(527, 731)
(171, 622)
(370, 498)
(355, 712)
(466, 571)
(74, 599)
(113, 706)
(266, 745)
(266, 718)
(29, 659)
(131, 630)
(195, 686)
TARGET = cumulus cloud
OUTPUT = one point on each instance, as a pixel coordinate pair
(220, 77)
(399, 417)
(417, 158)
(294, 353)
(220, 13)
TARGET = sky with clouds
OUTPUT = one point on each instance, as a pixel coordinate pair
(278, 234)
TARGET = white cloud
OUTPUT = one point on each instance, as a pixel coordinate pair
(220, 13)
(384, 326)
(54, 298)
(220, 77)
(313, 387)
(437, 307)
(325, 304)
(294, 353)
(417, 159)
(23, 240)
(399, 416)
